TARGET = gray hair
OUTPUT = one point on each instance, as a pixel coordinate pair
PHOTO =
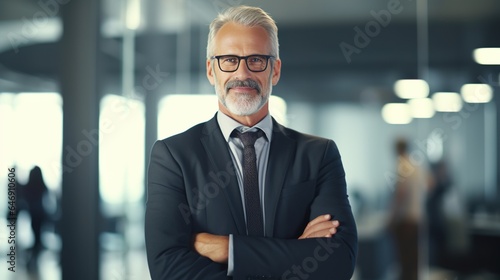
(246, 16)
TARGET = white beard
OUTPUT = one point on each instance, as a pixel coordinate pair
(242, 104)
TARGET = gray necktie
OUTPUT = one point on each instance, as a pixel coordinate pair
(255, 224)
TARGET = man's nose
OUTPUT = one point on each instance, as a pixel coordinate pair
(243, 72)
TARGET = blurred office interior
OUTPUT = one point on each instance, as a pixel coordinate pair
(87, 86)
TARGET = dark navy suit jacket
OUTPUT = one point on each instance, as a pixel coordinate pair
(192, 188)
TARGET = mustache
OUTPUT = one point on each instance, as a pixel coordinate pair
(245, 83)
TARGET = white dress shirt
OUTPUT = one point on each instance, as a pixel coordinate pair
(227, 126)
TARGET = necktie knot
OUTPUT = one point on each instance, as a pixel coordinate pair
(248, 138)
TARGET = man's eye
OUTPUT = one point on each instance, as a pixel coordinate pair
(256, 59)
(230, 60)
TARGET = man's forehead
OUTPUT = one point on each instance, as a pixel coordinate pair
(237, 36)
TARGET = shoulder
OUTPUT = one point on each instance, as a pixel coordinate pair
(176, 147)
(303, 138)
(190, 138)
(193, 133)
(307, 144)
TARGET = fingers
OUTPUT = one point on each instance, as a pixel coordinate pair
(323, 229)
(321, 226)
(319, 219)
(313, 224)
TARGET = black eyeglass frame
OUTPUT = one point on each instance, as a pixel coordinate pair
(239, 61)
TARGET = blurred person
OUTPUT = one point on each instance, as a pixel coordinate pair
(31, 198)
(221, 207)
(407, 210)
(436, 218)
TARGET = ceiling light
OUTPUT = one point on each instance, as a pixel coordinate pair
(476, 93)
(447, 101)
(487, 56)
(411, 88)
(396, 113)
(421, 108)
(133, 14)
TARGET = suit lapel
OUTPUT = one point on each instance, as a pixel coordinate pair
(217, 150)
(280, 153)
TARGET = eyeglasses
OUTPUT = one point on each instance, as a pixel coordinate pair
(230, 63)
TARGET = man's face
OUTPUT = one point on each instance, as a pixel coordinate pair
(243, 92)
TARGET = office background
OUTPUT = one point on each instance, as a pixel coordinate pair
(86, 87)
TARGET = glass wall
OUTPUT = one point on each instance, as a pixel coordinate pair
(31, 125)
(121, 185)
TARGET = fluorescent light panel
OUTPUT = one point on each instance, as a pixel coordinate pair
(396, 113)
(476, 93)
(487, 56)
(422, 108)
(133, 14)
(447, 101)
(411, 88)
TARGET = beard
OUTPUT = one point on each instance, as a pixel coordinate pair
(242, 104)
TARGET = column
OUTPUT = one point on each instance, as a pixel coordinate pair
(79, 83)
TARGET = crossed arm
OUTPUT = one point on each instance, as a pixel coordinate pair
(174, 254)
(215, 247)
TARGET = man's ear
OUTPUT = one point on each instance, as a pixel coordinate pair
(276, 71)
(210, 73)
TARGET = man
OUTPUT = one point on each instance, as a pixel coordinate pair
(407, 210)
(209, 216)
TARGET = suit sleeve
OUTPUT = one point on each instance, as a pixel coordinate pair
(314, 258)
(168, 227)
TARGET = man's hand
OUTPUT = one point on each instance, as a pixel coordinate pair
(322, 226)
(214, 247)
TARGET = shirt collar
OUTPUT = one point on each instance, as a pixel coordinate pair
(227, 125)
